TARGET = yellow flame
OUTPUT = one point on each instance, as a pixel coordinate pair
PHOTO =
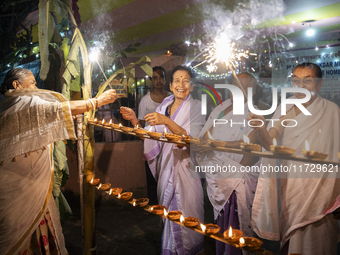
(165, 213)
(110, 122)
(274, 142)
(164, 130)
(103, 121)
(91, 180)
(119, 195)
(110, 192)
(120, 125)
(210, 136)
(242, 240)
(137, 126)
(99, 186)
(306, 145)
(230, 232)
(181, 219)
(134, 203)
(95, 120)
(150, 129)
(246, 139)
(204, 228)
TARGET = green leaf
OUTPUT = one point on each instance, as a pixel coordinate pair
(137, 44)
(123, 55)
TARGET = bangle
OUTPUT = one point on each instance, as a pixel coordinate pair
(91, 101)
(97, 102)
(87, 106)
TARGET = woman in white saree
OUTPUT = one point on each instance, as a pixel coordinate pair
(31, 120)
(305, 223)
(178, 188)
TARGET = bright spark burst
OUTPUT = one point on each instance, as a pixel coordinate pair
(223, 50)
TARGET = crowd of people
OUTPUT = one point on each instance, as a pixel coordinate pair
(298, 210)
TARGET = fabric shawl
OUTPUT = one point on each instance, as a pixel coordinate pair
(31, 119)
(304, 198)
(177, 189)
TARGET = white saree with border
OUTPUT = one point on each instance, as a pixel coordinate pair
(301, 200)
(30, 122)
(220, 185)
(177, 189)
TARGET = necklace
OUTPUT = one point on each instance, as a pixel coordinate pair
(169, 108)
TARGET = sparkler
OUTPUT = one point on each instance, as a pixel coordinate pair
(94, 57)
(223, 50)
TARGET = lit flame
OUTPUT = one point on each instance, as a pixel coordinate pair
(120, 125)
(110, 122)
(246, 139)
(203, 228)
(99, 186)
(210, 136)
(150, 129)
(230, 232)
(242, 241)
(274, 142)
(119, 195)
(164, 130)
(151, 208)
(134, 203)
(103, 121)
(95, 120)
(306, 145)
(181, 219)
(137, 126)
(91, 180)
(165, 213)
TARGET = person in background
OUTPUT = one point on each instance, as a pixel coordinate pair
(152, 99)
(31, 120)
(148, 104)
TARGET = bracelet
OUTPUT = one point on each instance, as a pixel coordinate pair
(97, 102)
(87, 106)
(91, 101)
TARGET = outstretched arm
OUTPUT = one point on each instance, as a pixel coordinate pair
(80, 106)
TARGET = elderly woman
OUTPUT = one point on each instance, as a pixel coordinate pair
(31, 120)
(177, 188)
(306, 224)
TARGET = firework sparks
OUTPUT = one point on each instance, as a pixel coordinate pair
(223, 50)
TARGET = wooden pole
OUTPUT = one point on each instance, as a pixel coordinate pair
(88, 211)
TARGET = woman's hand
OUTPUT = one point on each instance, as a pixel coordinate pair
(255, 121)
(107, 97)
(128, 113)
(156, 118)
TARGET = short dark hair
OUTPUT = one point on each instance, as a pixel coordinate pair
(12, 75)
(155, 68)
(180, 68)
(316, 68)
